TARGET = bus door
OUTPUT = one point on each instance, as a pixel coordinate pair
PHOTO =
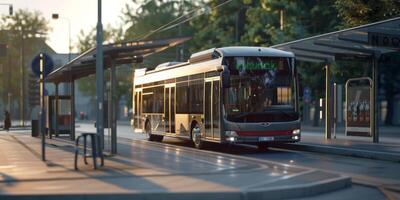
(211, 107)
(169, 108)
(137, 108)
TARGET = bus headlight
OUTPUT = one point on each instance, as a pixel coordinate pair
(296, 132)
(231, 134)
(231, 139)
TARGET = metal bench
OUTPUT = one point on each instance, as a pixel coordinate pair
(95, 141)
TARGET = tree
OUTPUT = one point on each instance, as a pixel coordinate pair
(153, 14)
(217, 27)
(87, 41)
(25, 34)
(359, 12)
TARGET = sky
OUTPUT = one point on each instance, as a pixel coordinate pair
(82, 15)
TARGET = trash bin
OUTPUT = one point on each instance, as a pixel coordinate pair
(35, 128)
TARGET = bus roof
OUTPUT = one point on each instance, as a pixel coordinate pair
(252, 51)
(214, 53)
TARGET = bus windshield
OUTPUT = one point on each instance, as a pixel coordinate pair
(262, 89)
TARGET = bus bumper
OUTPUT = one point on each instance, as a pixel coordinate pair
(263, 139)
(255, 133)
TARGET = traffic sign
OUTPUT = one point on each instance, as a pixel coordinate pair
(307, 95)
(48, 65)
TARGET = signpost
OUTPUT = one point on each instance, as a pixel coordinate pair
(42, 115)
(359, 104)
(48, 64)
(307, 101)
(307, 95)
(41, 66)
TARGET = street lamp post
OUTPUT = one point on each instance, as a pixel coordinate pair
(22, 92)
(56, 16)
(10, 10)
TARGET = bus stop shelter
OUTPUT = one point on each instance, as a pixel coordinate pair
(114, 55)
(363, 42)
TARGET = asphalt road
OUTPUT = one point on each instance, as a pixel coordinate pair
(371, 178)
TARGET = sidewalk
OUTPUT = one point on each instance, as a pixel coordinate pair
(146, 170)
(313, 139)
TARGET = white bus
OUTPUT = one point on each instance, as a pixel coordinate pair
(223, 95)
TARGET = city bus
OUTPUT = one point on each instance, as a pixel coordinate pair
(231, 95)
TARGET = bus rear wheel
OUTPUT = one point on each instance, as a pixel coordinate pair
(150, 136)
(196, 137)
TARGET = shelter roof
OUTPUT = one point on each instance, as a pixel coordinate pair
(362, 41)
(116, 53)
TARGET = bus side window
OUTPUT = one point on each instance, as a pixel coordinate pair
(196, 96)
(182, 98)
(148, 100)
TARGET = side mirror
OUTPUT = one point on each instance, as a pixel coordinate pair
(225, 77)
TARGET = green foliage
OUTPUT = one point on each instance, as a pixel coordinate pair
(264, 23)
(87, 41)
(217, 27)
(258, 23)
(359, 12)
(32, 24)
(24, 33)
(153, 14)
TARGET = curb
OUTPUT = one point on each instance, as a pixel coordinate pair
(385, 156)
(299, 191)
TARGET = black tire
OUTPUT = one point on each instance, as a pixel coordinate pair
(158, 138)
(262, 147)
(152, 137)
(196, 137)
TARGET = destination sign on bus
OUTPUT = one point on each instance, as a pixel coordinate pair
(247, 64)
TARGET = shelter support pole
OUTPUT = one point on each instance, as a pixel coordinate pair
(328, 101)
(113, 108)
(56, 110)
(99, 79)
(72, 110)
(375, 88)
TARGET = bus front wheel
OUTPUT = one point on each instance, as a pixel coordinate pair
(196, 137)
(150, 136)
(262, 147)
